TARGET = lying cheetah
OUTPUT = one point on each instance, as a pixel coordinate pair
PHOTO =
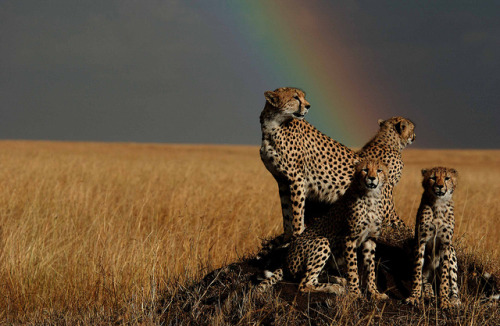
(308, 164)
(433, 233)
(353, 221)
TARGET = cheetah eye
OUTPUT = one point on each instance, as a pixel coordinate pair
(365, 170)
(378, 171)
(296, 97)
(433, 178)
(447, 178)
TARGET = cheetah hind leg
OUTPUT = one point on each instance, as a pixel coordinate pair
(315, 263)
(307, 285)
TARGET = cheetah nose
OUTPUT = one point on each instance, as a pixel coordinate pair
(371, 178)
(308, 106)
(440, 186)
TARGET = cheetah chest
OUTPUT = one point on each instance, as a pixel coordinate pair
(368, 225)
(439, 228)
(268, 155)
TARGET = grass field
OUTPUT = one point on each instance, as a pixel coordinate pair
(93, 233)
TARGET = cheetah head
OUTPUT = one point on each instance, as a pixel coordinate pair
(371, 174)
(440, 181)
(403, 128)
(288, 102)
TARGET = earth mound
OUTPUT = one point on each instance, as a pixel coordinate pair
(226, 296)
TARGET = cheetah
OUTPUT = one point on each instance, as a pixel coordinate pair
(393, 136)
(304, 162)
(434, 227)
(354, 221)
(310, 165)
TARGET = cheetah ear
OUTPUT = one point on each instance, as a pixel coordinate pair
(424, 171)
(400, 127)
(454, 172)
(381, 122)
(272, 98)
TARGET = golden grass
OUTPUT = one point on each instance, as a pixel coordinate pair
(96, 229)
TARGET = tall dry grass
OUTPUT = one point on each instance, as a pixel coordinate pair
(93, 231)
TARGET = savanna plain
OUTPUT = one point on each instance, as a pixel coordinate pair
(98, 233)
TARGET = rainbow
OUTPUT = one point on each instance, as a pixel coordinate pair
(303, 47)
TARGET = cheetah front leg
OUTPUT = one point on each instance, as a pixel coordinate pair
(315, 263)
(286, 208)
(444, 288)
(352, 266)
(369, 263)
(417, 273)
(298, 200)
(455, 300)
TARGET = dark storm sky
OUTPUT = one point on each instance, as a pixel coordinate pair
(177, 71)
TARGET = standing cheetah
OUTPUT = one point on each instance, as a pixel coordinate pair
(353, 221)
(433, 233)
(308, 164)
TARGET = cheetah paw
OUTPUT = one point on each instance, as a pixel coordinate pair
(338, 280)
(429, 292)
(449, 305)
(260, 288)
(455, 301)
(445, 305)
(355, 294)
(414, 301)
(336, 289)
(379, 296)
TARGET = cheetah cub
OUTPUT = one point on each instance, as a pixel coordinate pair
(364, 223)
(433, 234)
(353, 221)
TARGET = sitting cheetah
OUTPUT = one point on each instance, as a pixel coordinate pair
(394, 135)
(353, 221)
(308, 164)
(433, 234)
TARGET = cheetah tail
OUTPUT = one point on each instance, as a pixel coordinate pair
(271, 279)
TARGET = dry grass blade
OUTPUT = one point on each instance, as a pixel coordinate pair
(98, 233)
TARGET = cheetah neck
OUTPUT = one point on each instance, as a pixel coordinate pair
(270, 120)
(370, 196)
(437, 203)
(386, 138)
